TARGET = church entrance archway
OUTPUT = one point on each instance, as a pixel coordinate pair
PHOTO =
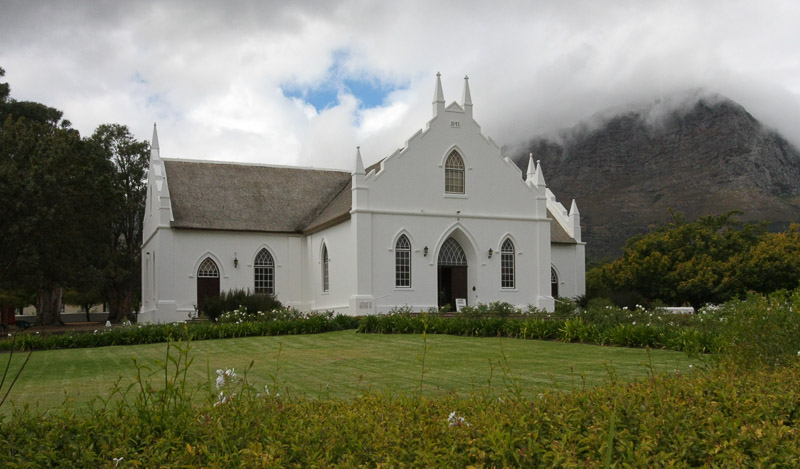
(452, 267)
(207, 282)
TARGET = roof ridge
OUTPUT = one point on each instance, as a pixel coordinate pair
(261, 165)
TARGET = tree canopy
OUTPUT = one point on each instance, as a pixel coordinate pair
(710, 260)
(71, 210)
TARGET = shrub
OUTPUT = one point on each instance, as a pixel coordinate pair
(565, 307)
(239, 299)
(761, 331)
(312, 323)
(499, 309)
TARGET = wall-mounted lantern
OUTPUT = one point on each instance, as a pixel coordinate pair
(235, 260)
(490, 253)
(425, 252)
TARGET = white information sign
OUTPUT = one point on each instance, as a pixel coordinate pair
(460, 303)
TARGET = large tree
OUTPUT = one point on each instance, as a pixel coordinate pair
(128, 190)
(51, 203)
(680, 262)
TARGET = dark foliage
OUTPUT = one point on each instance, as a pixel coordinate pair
(237, 299)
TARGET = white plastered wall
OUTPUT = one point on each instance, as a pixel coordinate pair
(341, 270)
(568, 261)
(176, 255)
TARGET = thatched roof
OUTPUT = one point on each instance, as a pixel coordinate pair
(229, 196)
(240, 197)
(557, 233)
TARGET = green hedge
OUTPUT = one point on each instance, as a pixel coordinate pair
(660, 336)
(202, 330)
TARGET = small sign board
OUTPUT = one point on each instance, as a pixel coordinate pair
(460, 303)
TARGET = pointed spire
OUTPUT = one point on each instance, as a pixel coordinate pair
(573, 210)
(154, 142)
(359, 162)
(466, 98)
(539, 174)
(531, 175)
(438, 94)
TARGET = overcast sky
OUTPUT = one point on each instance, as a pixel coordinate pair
(303, 83)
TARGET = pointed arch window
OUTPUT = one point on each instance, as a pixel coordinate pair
(208, 269)
(402, 263)
(507, 267)
(553, 283)
(264, 273)
(454, 174)
(451, 254)
(325, 277)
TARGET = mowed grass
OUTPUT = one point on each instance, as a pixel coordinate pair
(341, 365)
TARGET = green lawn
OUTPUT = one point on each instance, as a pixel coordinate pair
(340, 364)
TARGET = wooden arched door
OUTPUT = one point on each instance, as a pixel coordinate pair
(207, 282)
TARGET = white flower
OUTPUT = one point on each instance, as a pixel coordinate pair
(117, 461)
(456, 421)
(225, 376)
(266, 390)
(222, 399)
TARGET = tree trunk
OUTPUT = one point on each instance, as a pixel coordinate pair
(48, 305)
(120, 305)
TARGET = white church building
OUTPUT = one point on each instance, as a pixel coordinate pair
(446, 219)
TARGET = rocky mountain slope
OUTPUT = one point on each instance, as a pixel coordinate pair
(707, 158)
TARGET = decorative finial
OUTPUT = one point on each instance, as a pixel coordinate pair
(359, 162)
(154, 142)
(466, 98)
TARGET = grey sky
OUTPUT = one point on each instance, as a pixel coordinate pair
(230, 80)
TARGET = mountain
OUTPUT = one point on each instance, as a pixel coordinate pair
(705, 158)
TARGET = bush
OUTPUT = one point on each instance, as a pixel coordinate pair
(565, 307)
(497, 309)
(685, 419)
(311, 323)
(240, 299)
(761, 331)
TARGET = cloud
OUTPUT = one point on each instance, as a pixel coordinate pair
(239, 80)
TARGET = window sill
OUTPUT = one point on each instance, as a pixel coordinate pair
(403, 289)
(508, 289)
(455, 196)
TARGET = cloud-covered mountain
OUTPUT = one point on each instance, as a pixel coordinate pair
(708, 156)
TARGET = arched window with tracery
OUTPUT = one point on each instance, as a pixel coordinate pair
(264, 272)
(451, 254)
(208, 269)
(402, 262)
(553, 283)
(325, 262)
(454, 174)
(507, 267)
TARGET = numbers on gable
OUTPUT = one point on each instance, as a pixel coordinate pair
(455, 124)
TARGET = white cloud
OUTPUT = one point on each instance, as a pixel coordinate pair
(210, 73)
